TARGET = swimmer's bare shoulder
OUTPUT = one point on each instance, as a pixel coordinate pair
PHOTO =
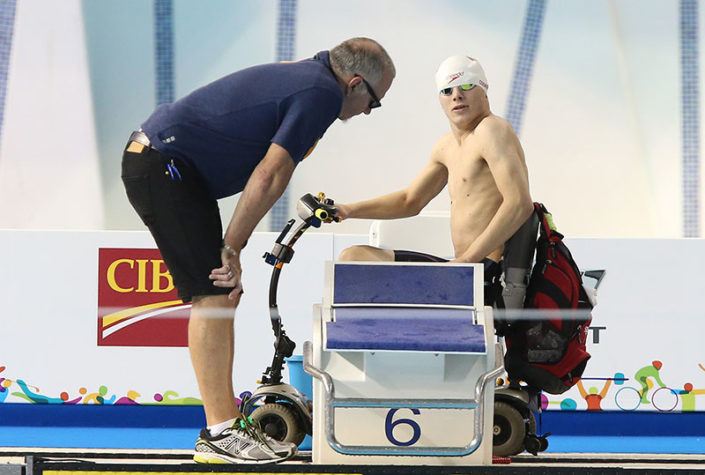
(493, 129)
(498, 144)
(442, 148)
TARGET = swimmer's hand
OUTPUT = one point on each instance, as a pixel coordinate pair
(327, 214)
(327, 211)
(342, 212)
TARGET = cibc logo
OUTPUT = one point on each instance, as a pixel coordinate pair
(137, 301)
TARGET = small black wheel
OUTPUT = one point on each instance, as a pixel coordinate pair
(532, 444)
(543, 444)
(509, 430)
(530, 431)
(279, 421)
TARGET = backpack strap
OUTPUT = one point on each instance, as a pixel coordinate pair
(547, 226)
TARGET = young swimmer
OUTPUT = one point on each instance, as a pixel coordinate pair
(481, 161)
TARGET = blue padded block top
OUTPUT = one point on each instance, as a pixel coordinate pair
(375, 329)
(402, 313)
(403, 284)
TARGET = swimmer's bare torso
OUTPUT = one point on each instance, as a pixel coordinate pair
(474, 193)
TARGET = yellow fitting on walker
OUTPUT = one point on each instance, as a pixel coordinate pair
(322, 214)
(321, 196)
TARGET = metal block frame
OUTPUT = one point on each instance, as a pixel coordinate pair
(456, 388)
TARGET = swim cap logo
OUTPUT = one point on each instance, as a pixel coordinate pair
(455, 76)
(137, 302)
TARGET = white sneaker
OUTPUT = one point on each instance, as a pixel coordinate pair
(243, 442)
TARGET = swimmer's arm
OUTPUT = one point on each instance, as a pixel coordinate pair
(502, 152)
(402, 203)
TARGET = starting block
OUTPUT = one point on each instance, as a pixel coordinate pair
(404, 362)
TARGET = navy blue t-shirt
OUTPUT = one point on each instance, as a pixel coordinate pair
(225, 128)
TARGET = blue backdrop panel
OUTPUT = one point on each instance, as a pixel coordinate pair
(524, 65)
(7, 24)
(164, 50)
(286, 42)
(690, 117)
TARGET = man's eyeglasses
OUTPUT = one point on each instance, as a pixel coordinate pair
(374, 103)
(449, 90)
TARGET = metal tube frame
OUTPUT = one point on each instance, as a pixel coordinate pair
(331, 402)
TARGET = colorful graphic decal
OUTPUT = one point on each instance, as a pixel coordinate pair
(137, 301)
(19, 391)
(645, 391)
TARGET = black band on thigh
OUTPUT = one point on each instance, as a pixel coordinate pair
(492, 269)
(413, 256)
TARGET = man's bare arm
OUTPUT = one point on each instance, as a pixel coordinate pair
(502, 152)
(263, 189)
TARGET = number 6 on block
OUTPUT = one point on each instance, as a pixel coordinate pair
(390, 424)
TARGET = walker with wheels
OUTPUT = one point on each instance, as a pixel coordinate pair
(282, 411)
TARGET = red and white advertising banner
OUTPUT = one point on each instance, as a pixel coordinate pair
(137, 301)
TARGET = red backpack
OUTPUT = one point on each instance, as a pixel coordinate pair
(547, 349)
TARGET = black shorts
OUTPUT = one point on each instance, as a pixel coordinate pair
(493, 270)
(182, 217)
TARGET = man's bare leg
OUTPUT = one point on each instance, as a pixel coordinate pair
(366, 253)
(211, 342)
(211, 338)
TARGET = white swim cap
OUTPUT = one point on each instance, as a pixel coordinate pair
(459, 70)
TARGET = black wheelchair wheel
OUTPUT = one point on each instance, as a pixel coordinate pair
(509, 430)
(280, 422)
